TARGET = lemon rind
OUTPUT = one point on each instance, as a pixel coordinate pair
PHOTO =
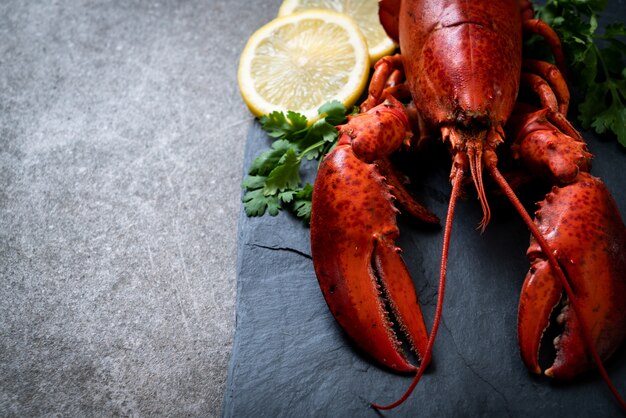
(383, 48)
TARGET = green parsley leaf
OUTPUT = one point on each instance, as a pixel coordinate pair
(593, 104)
(596, 61)
(279, 125)
(287, 196)
(302, 203)
(285, 175)
(274, 176)
(255, 203)
(319, 133)
(335, 112)
(612, 119)
(253, 182)
(265, 163)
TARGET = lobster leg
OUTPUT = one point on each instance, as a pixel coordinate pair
(387, 73)
(541, 28)
(543, 90)
(353, 233)
(556, 83)
(399, 191)
(584, 230)
(550, 147)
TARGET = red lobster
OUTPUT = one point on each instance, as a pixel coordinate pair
(461, 68)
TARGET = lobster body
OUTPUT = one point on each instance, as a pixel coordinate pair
(465, 61)
(461, 69)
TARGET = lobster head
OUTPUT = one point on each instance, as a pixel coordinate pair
(461, 68)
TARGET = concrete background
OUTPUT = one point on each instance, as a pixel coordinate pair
(121, 145)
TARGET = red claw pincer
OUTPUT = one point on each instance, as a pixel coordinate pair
(583, 226)
(353, 233)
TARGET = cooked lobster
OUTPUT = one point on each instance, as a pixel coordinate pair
(460, 71)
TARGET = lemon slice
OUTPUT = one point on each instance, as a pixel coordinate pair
(364, 12)
(301, 61)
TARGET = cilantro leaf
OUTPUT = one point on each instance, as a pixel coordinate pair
(612, 119)
(335, 112)
(593, 104)
(596, 61)
(302, 203)
(253, 182)
(279, 125)
(255, 202)
(274, 175)
(285, 175)
(319, 133)
(264, 163)
(287, 196)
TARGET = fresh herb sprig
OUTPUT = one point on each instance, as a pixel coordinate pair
(274, 176)
(596, 61)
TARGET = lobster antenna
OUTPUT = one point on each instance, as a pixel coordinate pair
(556, 267)
(456, 191)
(474, 155)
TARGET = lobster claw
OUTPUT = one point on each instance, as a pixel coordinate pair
(583, 226)
(353, 233)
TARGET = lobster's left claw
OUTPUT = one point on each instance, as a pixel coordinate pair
(584, 228)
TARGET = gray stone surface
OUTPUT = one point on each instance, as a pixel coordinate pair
(121, 144)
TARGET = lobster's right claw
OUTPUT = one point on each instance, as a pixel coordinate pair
(583, 226)
(353, 230)
(353, 233)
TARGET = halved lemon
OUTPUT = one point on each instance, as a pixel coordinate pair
(301, 61)
(364, 13)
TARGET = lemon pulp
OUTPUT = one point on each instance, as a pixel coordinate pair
(364, 13)
(301, 61)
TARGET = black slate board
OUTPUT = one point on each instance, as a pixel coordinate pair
(290, 358)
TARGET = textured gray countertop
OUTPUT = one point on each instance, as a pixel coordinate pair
(121, 143)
